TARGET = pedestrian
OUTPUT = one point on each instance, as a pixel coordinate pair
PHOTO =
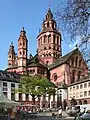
(60, 112)
(13, 114)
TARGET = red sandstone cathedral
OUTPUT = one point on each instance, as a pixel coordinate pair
(48, 61)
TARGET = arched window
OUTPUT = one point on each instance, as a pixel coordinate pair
(79, 74)
(85, 102)
(72, 61)
(52, 25)
(55, 77)
(73, 76)
(54, 39)
(58, 40)
(45, 37)
(49, 38)
(23, 52)
(47, 24)
(41, 41)
(80, 102)
(53, 47)
(20, 52)
(85, 93)
(76, 61)
(80, 61)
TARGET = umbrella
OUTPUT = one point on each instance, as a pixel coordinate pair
(4, 101)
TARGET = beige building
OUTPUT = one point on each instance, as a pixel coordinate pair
(80, 91)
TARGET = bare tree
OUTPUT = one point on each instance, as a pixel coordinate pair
(74, 17)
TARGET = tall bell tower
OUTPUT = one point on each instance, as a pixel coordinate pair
(49, 40)
(11, 56)
(22, 51)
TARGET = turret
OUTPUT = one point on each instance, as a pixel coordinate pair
(22, 50)
(11, 56)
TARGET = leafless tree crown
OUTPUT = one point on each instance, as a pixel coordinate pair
(75, 18)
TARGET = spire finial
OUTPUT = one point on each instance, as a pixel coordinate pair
(12, 43)
(23, 28)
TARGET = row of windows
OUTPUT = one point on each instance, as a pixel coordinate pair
(12, 95)
(85, 85)
(5, 84)
(5, 89)
(27, 97)
(73, 79)
(47, 39)
(50, 54)
(81, 94)
(22, 53)
(22, 43)
(33, 71)
(54, 48)
(47, 25)
(76, 61)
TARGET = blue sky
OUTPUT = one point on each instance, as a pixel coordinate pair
(14, 14)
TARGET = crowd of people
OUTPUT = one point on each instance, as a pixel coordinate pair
(16, 113)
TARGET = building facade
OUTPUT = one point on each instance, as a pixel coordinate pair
(80, 91)
(49, 61)
(9, 82)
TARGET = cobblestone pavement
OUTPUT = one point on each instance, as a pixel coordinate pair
(48, 116)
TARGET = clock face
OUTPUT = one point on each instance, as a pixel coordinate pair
(47, 33)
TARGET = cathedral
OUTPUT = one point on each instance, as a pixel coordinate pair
(48, 61)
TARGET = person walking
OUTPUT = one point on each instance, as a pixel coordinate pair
(13, 114)
(60, 112)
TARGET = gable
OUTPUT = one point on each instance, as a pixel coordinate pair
(76, 58)
(66, 58)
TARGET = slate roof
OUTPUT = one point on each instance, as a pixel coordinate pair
(12, 67)
(34, 62)
(62, 60)
(9, 76)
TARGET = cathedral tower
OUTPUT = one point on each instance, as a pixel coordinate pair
(11, 56)
(22, 52)
(49, 40)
